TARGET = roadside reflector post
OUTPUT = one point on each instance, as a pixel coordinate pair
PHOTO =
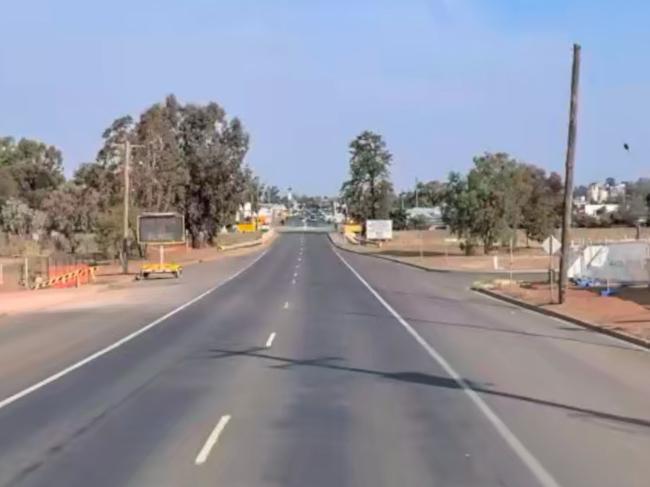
(26, 273)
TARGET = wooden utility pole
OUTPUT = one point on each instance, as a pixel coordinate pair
(125, 222)
(126, 146)
(568, 177)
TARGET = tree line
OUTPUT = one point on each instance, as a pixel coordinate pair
(485, 207)
(188, 159)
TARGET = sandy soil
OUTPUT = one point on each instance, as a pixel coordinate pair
(13, 302)
(628, 311)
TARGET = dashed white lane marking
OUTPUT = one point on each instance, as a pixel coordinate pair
(212, 440)
(541, 474)
(33, 388)
(269, 342)
(286, 305)
(295, 274)
(293, 282)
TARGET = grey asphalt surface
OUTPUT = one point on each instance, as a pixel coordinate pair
(345, 396)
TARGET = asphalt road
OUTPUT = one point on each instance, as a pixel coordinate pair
(305, 370)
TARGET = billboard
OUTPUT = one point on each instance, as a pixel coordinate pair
(161, 228)
(379, 229)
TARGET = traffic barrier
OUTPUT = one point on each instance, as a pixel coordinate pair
(76, 277)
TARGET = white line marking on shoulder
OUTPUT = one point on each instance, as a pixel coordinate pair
(33, 388)
(534, 465)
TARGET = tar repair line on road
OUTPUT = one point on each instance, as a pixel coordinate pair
(25, 392)
(212, 440)
(534, 465)
(269, 342)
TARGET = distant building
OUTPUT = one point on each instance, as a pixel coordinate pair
(598, 193)
(599, 209)
(431, 215)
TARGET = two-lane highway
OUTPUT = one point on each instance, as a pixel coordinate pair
(316, 368)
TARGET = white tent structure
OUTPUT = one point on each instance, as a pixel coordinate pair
(625, 262)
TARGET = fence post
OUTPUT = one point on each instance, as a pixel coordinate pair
(26, 273)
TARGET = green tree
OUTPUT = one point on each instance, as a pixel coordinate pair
(36, 168)
(8, 186)
(159, 173)
(71, 210)
(17, 218)
(399, 217)
(367, 194)
(542, 211)
(214, 150)
(636, 200)
(487, 206)
(429, 194)
(272, 194)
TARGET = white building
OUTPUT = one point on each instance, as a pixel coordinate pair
(597, 193)
(433, 216)
(602, 193)
(600, 209)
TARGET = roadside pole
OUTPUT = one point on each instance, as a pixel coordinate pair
(421, 239)
(125, 234)
(511, 259)
(550, 270)
(568, 179)
(127, 147)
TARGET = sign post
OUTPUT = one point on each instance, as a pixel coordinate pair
(379, 229)
(161, 229)
(551, 245)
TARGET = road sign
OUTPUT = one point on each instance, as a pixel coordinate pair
(379, 229)
(161, 228)
(551, 245)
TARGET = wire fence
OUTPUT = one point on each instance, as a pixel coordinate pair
(55, 270)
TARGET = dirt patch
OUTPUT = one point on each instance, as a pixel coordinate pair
(435, 253)
(108, 277)
(628, 311)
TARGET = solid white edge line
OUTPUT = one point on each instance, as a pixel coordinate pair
(212, 440)
(269, 342)
(19, 395)
(534, 465)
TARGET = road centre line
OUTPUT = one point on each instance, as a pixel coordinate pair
(33, 388)
(533, 464)
(212, 440)
(269, 341)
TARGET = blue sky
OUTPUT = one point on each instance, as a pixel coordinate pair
(442, 80)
